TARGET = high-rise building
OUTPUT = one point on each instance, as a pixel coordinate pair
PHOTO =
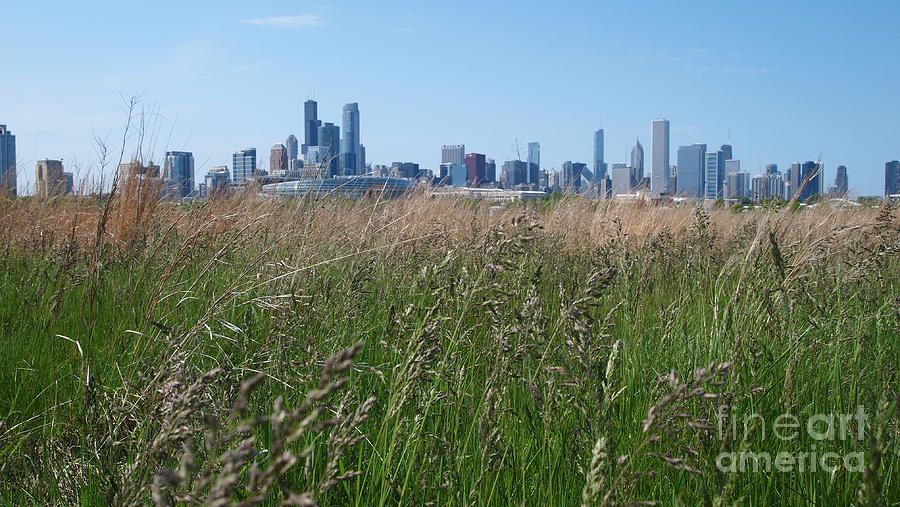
(767, 186)
(891, 178)
(659, 174)
(363, 167)
(728, 151)
(840, 187)
(513, 173)
(350, 142)
(243, 164)
(8, 180)
(453, 154)
(571, 175)
(311, 125)
(534, 163)
(637, 161)
(732, 166)
(691, 160)
(292, 150)
(178, 173)
(329, 136)
(476, 167)
(622, 179)
(714, 169)
(599, 164)
(216, 181)
(490, 170)
(51, 180)
(278, 160)
(809, 174)
(737, 185)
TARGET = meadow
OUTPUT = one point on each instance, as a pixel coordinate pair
(445, 352)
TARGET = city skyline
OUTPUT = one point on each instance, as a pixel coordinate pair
(742, 83)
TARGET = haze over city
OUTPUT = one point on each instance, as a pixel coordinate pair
(780, 83)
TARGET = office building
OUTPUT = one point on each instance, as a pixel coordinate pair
(806, 178)
(476, 167)
(737, 185)
(637, 161)
(728, 151)
(216, 181)
(350, 161)
(178, 173)
(329, 148)
(714, 172)
(405, 170)
(767, 186)
(8, 180)
(278, 160)
(659, 147)
(311, 125)
(534, 163)
(622, 179)
(599, 163)
(514, 173)
(572, 174)
(292, 148)
(840, 187)
(490, 170)
(691, 160)
(453, 154)
(891, 179)
(243, 165)
(51, 180)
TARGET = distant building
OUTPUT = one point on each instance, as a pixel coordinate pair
(659, 174)
(809, 173)
(891, 178)
(737, 185)
(600, 168)
(514, 173)
(405, 170)
(623, 181)
(673, 180)
(243, 164)
(178, 173)
(572, 173)
(8, 180)
(728, 151)
(840, 187)
(311, 125)
(732, 166)
(767, 186)
(350, 160)
(714, 169)
(329, 147)
(51, 180)
(476, 168)
(216, 181)
(137, 170)
(459, 175)
(453, 154)
(278, 160)
(534, 163)
(490, 170)
(691, 161)
(637, 161)
(292, 148)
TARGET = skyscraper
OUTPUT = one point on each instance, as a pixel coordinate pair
(714, 173)
(243, 164)
(659, 174)
(490, 170)
(622, 179)
(691, 160)
(572, 175)
(728, 151)
(291, 145)
(810, 173)
(7, 160)
(216, 181)
(311, 125)
(891, 178)
(329, 136)
(278, 160)
(51, 180)
(534, 163)
(178, 172)
(453, 154)
(840, 182)
(513, 173)
(637, 162)
(350, 141)
(599, 164)
(476, 168)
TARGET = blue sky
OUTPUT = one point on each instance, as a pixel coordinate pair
(784, 81)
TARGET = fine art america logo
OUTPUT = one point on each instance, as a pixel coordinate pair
(787, 427)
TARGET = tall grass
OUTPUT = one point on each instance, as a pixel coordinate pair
(435, 352)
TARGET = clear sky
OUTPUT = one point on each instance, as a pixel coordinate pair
(784, 81)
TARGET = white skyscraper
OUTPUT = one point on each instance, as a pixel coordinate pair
(659, 169)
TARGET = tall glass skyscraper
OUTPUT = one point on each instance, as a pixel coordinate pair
(350, 141)
(311, 125)
(534, 163)
(691, 160)
(329, 147)
(659, 146)
(178, 171)
(7, 160)
(891, 178)
(637, 162)
(291, 145)
(715, 174)
(243, 164)
(599, 164)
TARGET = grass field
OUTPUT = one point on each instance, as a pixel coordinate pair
(437, 352)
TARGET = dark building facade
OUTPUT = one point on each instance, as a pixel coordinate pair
(476, 167)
